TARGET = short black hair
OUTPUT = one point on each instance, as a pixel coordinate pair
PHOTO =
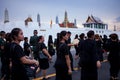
(114, 36)
(82, 35)
(69, 32)
(90, 34)
(25, 38)
(2, 33)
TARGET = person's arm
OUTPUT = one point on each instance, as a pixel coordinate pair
(24, 60)
(44, 49)
(46, 53)
(68, 64)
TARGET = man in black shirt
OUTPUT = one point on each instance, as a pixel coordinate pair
(68, 42)
(89, 60)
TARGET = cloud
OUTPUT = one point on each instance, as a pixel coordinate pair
(118, 19)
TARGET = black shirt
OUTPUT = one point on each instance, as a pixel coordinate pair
(17, 53)
(40, 47)
(114, 49)
(68, 42)
(88, 54)
(26, 48)
(62, 52)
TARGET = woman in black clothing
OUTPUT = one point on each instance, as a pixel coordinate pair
(99, 49)
(27, 48)
(18, 57)
(63, 63)
(44, 56)
(114, 56)
(50, 46)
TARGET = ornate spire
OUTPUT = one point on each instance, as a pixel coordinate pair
(75, 22)
(38, 20)
(57, 21)
(66, 19)
(6, 19)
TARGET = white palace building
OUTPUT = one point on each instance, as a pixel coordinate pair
(92, 23)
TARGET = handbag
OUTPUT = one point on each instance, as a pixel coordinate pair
(42, 55)
(30, 70)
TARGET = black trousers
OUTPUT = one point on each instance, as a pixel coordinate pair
(62, 74)
(71, 58)
(114, 68)
(89, 74)
(16, 76)
(3, 67)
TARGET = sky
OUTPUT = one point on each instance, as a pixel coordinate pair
(107, 10)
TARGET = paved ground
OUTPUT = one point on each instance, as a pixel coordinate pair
(103, 72)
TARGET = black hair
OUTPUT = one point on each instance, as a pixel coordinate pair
(8, 37)
(69, 32)
(15, 32)
(82, 35)
(2, 33)
(76, 36)
(39, 38)
(90, 34)
(62, 33)
(35, 30)
(25, 38)
(50, 37)
(114, 36)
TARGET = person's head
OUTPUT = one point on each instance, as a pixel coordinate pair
(8, 37)
(50, 37)
(41, 39)
(26, 39)
(2, 34)
(17, 34)
(35, 32)
(76, 36)
(90, 34)
(114, 37)
(69, 33)
(97, 36)
(105, 36)
(63, 35)
(82, 36)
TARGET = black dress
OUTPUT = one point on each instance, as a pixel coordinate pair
(18, 69)
(50, 48)
(88, 60)
(60, 64)
(44, 63)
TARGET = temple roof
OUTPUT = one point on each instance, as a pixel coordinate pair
(29, 19)
(93, 19)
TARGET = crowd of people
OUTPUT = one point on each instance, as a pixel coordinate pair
(36, 55)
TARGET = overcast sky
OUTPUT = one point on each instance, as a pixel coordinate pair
(107, 10)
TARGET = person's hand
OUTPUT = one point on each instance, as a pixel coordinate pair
(50, 58)
(76, 57)
(36, 62)
(98, 64)
(76, 44)
(69, 71)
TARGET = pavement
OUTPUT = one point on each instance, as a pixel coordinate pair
(103, 72)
